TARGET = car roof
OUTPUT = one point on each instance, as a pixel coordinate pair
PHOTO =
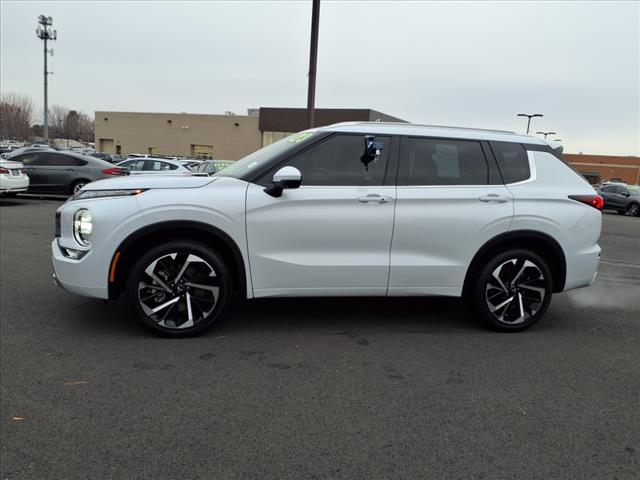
(398, 128)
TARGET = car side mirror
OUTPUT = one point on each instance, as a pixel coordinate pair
(286, 177)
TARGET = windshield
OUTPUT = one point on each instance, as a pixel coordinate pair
(254, 161)
(634, 189)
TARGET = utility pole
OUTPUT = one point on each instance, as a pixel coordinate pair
(313, 58)
(529, 117)
(546, 133)
(44, 32)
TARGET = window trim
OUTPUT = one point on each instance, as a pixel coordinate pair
(403, 180)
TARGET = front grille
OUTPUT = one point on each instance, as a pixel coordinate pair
(58, 225)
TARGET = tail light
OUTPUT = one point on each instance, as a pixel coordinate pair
(4, 170)
(594, 201)
(116, 171)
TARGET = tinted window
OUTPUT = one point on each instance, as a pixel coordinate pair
(32, 159)
(336, 162)
(57, 160)
(512, 161)
(444, 162)
(609, 189)
(157, 166)
(621, 190)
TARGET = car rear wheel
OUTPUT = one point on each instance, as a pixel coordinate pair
(179, 289)
(78, 185)
(513, 290)
(633, 209)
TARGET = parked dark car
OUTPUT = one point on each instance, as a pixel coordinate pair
(212, 166)
(64, 172)
(620, 197)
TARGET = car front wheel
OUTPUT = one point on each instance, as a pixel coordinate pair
(513, 290)
(633, 209)
(179, 289)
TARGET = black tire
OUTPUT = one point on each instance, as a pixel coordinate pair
(201, 286)
(77, 185)
(633, 209)
(530, 293)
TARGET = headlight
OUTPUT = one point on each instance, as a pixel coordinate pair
(85, 194)
(82, 227)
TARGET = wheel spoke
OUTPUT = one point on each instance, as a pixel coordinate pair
(150, 271)
(499, 306)
(165, 305)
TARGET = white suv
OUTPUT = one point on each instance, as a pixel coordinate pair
(353, 209)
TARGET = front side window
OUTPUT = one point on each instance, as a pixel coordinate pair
(32, 159)
(431, 161)
(336, 162)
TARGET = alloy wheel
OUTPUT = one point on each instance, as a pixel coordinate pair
(633, 210)
(515, 291)
(77, 187)
(178, 290)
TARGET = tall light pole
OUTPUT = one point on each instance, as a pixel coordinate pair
(45, 32)
(546, 133)
(313, 58)
(529, 117)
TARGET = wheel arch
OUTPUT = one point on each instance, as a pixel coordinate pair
(129, 249)
(541, 243)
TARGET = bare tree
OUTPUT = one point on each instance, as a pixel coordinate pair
(16, 114)
(58, 121)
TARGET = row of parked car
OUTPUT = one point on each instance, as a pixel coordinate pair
(38, 170)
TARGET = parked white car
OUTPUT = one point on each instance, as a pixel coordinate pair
(154, 166)
(12, 179)
(354, 209)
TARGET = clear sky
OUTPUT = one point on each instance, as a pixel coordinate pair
(456, 63)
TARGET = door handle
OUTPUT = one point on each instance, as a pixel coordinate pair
(492, 197)
(373, 198)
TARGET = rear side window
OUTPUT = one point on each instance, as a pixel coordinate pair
(512, 160)
(444, 162)
(609, 189)
(57, 160)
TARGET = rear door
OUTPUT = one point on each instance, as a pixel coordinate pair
(61, 171)
(450, 201)
(330, 236)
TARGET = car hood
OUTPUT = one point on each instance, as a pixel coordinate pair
(150, 181)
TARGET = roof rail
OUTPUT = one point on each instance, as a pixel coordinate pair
(446, 127)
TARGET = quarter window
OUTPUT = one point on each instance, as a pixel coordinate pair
(336, 162)
(444, 162)
(512, 160)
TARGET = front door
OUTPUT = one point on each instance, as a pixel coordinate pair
(446, 209)
(332, 235)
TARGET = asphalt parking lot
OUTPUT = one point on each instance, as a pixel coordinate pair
(323, 389)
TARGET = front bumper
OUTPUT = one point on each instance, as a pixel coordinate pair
(78, 276)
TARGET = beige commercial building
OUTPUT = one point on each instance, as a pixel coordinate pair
(228, 137)
(225, 137)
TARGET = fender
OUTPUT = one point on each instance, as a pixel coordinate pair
(516, 237)
(120, 261)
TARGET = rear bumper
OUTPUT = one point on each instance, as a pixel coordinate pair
(582, 268)
(10, 183)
